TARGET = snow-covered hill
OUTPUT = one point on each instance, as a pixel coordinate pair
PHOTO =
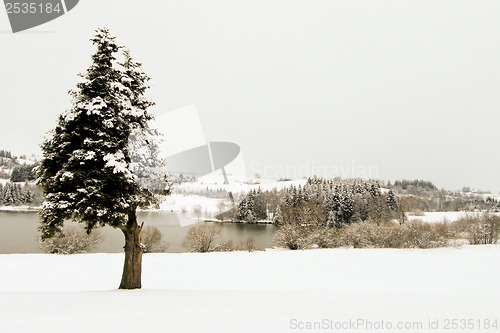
(8, 164)
(237, 185)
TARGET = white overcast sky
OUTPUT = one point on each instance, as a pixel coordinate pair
(410, 87)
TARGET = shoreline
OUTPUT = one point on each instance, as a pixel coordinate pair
(20, 208)
(239, 222)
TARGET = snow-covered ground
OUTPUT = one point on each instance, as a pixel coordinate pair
(179, 202)
(271, 291)
(22, 161)
(21, 208)
(436, 217)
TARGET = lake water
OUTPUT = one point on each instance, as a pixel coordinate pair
(18, 232)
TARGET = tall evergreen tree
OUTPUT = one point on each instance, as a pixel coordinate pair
(22, 173)
(27, 194)
(87, 171)
(245, 208)
(11, 194)
(392, 201)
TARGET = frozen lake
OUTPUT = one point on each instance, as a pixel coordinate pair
(18, 232)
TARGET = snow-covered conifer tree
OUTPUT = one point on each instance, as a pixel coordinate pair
(88, 166)
(246, 208)
(392, 201)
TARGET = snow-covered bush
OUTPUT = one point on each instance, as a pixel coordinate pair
(361, 235)
(418, 234)
(387, 235)
(293, 236)
(325, 237)
(445, 230)
(479, 229)
(72, 240)
(247, 245)
(228, 215)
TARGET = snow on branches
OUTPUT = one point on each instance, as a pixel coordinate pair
(102, 158)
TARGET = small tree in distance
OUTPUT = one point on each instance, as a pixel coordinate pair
(152, 240)
(88, 166)
(206, 238)
(72, 240)
(197, 210)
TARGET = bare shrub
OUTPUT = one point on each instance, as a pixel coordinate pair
(225, 246)
(305, 213)
(325, 237)
(445, 230)
(416, 212)
(248, 245)
(229, 215)
(197, 210)
(72, 240)
(293, 236)
(205, 238)
(221, 206)
(395, 237)
(151, 239)
(361, 235)
(479, 229)
(386, 235)
(422, 235)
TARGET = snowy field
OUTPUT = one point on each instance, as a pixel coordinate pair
(21, 208)
(180, 202)
(436, 217)
(271, 291)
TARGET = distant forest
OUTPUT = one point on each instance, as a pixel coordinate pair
(19, 188)
(411, 195)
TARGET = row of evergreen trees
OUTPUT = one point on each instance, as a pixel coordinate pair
(326, 202)
(5, 153)
(258, 205)
(337, 202)
(447, 203)
(12, 194)
(416, 183)
(20, 173)
(252, 207)
(23, 173)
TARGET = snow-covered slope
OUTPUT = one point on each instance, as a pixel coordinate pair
(238, 186)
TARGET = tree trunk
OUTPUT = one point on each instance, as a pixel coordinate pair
(131, 277)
